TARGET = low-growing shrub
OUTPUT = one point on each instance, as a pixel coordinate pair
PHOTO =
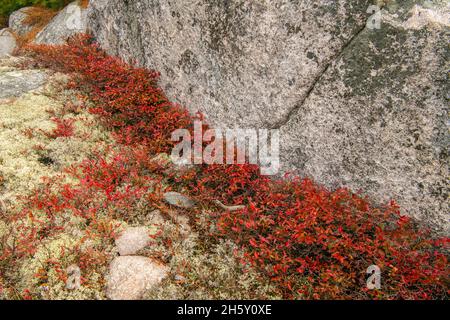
(70, 219)
(126, 98)
(3, 22)
(311, 242)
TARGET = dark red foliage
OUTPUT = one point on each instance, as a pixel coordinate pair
(126, 98)
(314, 243)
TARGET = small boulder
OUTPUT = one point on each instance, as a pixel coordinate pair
(68, 22)
(15, 83)
(178, 200)
(131, 276)
(8, 43)
(17, 22)
(132, 240)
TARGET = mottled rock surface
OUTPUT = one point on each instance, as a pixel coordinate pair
(132, 240)
(178, 200)
(69, 21)
(131, 276)
(240, 62)
(8, 43)
(15, 83)
(16, 22)
(377, 120)
(357, 107)
(155, 217)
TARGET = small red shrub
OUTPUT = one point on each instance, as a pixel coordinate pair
(106, 190)
(319, 244)
(64, 128)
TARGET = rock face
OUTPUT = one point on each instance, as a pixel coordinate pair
(71, 20)
(360, 107)
(131, 276)
(7, 43)
(16, 83)
(16, 22)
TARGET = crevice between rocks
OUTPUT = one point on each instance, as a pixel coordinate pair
(336, 57)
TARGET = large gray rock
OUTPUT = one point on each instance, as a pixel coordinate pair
(377, 119)
(178, 200)
(357, 107)
(8, 43)
(131, 276)
(240, 62)
(17, 21)
(15, 83)
(69, 21)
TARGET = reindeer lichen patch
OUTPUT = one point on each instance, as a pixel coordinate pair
(20, 123)
(28, 150)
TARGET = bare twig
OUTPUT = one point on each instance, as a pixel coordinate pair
(228, 208)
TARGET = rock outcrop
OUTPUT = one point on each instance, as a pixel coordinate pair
(17, 22)
(8, 43)
(69, 21)
(132, 240)
(240, 62)
(178, 200)
(358, 105)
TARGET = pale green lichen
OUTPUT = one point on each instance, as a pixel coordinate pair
(19, 164)
(62, 250)
(204, 268)
(27, 154)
